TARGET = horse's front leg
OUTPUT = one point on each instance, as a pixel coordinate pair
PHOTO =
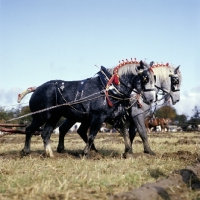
(139, 123)
(128, 152)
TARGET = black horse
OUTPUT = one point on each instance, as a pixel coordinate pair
(89, 101)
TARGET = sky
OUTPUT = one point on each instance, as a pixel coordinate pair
(44, 40)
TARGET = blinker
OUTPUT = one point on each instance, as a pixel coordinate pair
(175, 80)
(145, 79)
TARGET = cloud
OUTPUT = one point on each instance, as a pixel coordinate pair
(8, 98)
(188, 101)
(196, 89)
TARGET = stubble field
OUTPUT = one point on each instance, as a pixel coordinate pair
(173, 173)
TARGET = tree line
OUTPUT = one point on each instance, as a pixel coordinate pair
(180, 120)
(165, 111)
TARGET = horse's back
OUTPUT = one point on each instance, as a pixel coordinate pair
(45, 95)
(58, 91)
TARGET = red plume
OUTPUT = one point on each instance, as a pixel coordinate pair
(116, 79)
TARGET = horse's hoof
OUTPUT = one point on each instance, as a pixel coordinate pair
(85, 156)
(24, 153)
(150, 152)
(47, 155)
(60, 150)
(127, 155)
(94, 150)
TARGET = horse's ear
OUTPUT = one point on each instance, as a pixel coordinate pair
(141, 64)
(176, 70)
(144, 64)
(141, 67)
(151, 63)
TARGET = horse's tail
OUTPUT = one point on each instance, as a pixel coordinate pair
(23, 94)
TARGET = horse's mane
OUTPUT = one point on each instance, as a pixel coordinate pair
(126, 67)
(164, 70)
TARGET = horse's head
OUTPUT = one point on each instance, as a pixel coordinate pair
(146, 78)
(168, 79)
(175, 85)
(133, 75)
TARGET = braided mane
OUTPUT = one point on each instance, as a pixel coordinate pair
(160, 65)
(164, 70)
(122, 68)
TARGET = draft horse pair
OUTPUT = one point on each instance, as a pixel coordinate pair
(168, 80)
(91, 102)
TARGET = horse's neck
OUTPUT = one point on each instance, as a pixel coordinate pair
(126, 83)
(162, 78)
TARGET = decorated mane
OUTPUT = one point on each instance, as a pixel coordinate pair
(123, 68)
(165, 70)
(160, 65)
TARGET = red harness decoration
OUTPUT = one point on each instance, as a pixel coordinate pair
(108, 100)
(115, 77)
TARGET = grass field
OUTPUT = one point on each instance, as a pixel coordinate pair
(68, 176)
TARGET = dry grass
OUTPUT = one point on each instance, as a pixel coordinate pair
(67, 176)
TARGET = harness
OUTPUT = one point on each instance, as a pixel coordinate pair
(81, 87)
(110, 85)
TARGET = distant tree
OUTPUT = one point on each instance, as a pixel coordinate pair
(3, 115)
(195, 119)
(8, 114)
(166, 112)
(24, 111)
(196, 112)
(181, 120)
